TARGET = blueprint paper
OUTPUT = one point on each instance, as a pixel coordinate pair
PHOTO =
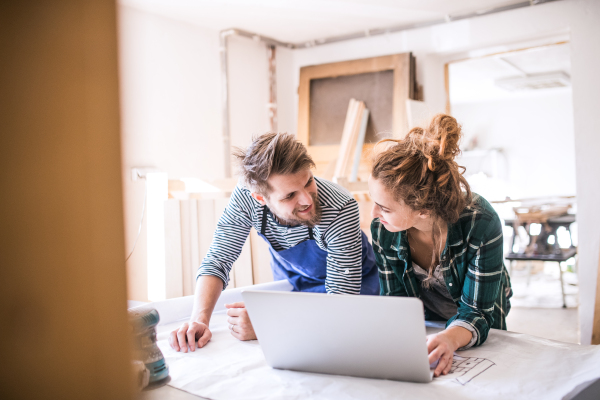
(509, 365)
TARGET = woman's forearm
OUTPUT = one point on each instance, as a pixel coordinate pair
(458, 336)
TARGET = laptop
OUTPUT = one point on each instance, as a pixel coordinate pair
(365, 336)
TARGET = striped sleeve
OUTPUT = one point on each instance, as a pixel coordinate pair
(232, 231)
(344, 251)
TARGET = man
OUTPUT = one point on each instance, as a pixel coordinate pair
(311, 226)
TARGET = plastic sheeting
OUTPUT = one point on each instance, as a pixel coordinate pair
(509, 365)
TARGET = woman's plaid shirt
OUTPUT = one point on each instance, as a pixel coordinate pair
(472, 263)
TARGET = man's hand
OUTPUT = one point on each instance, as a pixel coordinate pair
(189, 335)
(239, 322)
(441, 346)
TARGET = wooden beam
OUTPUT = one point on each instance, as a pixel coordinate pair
(360, 141)
(173, 277)
(189, 244)
(261, 259)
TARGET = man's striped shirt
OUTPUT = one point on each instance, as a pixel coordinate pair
(338, 233)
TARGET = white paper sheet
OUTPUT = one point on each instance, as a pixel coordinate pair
(508, 366)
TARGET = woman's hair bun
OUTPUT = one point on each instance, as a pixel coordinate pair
(421, 171)
(439, 141)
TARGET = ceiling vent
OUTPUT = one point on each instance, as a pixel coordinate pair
(535, 81)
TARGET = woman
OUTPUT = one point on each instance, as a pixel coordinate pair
(435, 240)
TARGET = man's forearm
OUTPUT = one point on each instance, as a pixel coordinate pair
(208, 290)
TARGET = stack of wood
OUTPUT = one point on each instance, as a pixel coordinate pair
(353, 138)
(540, 213)
(190, 222)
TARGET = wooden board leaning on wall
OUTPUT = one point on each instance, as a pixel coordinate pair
(403, 88)
(368, 72)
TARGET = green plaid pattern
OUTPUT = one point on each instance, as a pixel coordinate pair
(472, 263)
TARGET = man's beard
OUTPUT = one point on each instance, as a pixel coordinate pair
(296, 220)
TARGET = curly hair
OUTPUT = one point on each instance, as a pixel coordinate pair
(420, 170)
(271, 153)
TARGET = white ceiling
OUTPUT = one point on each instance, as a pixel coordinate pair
(473, 80)
(304, 20)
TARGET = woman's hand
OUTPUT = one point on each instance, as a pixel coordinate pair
(441, 346)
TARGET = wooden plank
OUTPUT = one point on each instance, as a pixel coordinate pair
(261, 259)
(173, 264)
(360, 186)
(325, 164)
(176, 185)
(186, 244)
(365, 205)
(346, 136)
(206, 226)
(350, 145)
(359, 145)
(243, 266)
(189, 244)
(412, 94)
(190, 287)
(226, 185)
(447, 87)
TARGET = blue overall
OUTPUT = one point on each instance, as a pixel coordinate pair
(305, 264)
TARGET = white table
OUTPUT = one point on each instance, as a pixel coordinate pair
(508, 366)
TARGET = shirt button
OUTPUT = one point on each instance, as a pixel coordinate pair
(450, 284)
(347, 271)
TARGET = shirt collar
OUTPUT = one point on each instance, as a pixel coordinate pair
(454, 239)
(400, 244)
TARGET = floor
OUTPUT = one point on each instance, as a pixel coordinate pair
(537, 302)
(550, 323)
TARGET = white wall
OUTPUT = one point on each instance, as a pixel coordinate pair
(504, 31)
(172, 107)
(171, 113)
(249, 90)
(535, 133)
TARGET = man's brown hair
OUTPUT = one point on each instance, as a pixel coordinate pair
(271, 153)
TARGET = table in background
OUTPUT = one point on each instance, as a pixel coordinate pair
(557, 255)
